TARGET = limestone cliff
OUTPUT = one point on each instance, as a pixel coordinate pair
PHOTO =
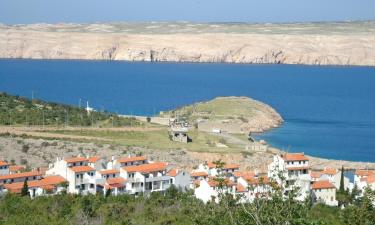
(317, 44)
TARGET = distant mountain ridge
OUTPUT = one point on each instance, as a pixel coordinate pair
(333, 43)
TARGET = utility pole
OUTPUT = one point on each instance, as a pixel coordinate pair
(43, 118)
(10, 118)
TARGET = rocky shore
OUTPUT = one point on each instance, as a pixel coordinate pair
(351, 43)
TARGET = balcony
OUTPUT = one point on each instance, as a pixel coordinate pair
(160, 178)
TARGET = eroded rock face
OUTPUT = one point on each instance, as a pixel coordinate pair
(97, 43)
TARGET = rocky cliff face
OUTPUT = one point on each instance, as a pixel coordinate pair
(97, 43)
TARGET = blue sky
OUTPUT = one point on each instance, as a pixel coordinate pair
(55, 11)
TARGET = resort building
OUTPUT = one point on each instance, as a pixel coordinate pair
(181, 179)
(4, 168)
(324, 191)
(210, 190)
(80, 176)
(46, 186)
(291, 170)
(146, 178)
(250, 186)
(364, 179)
(334, 176)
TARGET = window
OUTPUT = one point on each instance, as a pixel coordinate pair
(77, 175)
(92, 185)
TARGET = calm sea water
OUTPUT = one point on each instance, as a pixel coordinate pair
(329, 111)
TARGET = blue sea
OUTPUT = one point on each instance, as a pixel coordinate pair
(329, 111)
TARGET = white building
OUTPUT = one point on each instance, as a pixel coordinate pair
(334, 176)
(324, 192)
(291, 170)
(4, 168)
(249, 187)
(180, 179)
(209, 190)
(127, 161)
(146, 178)
(81, 177)
(364, 179)
(49, 185)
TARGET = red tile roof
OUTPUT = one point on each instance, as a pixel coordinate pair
(258, 180)
(369, 179)
(93, 159)
(132, 159)
(330, 171)
(199, 174)
(315, 174)
(47, 182)
(240, 188)
(104, 172)
(16, 168)
(76, 159)
(20, 175)
(3, 163)
(172, 172)
(231, 166)
(322, 184)
(146, 168)
(364, 172)
(116, 180)
(294, 157)
(80, 169)
(215, 183)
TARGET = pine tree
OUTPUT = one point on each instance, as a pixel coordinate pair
(25, 189)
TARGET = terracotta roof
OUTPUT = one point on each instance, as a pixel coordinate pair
(93, 159)
(315, 174)
(146, 168)
(211, 165)
(322, 184)
(172, 172)
(47, 181)
(132, 159)
(364, 172)
(116, 180)
(215, 183)
(76, 159)
(109, 171)
(80, 169)
(199, 174)
(111, 186)
(369, 179)
(330, 171)
(231, 166)
(20, 175)
(16, 168)
(298, 168)
(294, 157)
(240, 188)
(3, 163)
(258, 180)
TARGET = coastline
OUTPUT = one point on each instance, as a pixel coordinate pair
(281, 45)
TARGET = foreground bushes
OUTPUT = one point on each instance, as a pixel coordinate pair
(172, 208)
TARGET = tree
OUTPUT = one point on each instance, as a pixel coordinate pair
(342, 184)
(25, 189)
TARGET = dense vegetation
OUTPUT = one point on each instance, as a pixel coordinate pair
(16, 110)
(175, 208)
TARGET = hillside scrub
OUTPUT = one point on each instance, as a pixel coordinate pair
(17, 110)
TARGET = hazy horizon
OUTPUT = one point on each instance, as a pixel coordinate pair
(220, 11)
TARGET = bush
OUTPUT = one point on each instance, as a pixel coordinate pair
(25, 148)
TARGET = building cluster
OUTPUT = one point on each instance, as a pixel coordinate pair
(136, 175)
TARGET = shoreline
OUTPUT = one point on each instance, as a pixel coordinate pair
(187, 62)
